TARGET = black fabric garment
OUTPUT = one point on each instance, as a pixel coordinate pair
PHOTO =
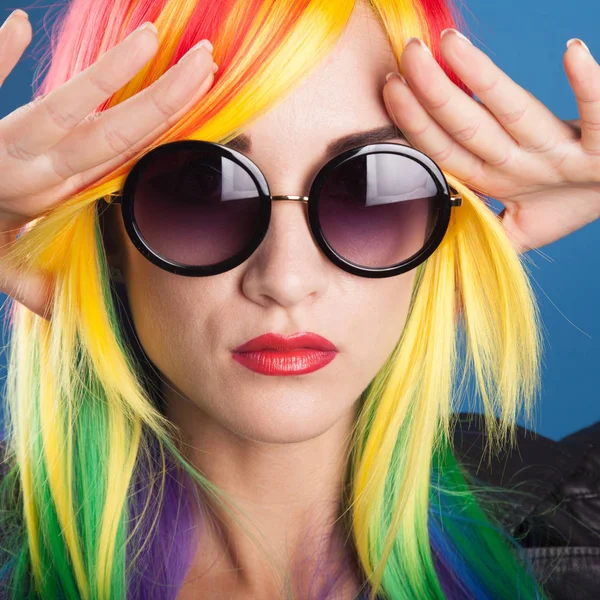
(558, 524)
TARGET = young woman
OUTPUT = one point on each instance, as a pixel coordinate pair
(237, 297)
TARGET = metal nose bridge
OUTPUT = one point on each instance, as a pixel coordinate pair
(455, 197)
(297, 198)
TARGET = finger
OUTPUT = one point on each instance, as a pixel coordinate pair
(116, 133)
(31, 289)
(49, 120)
(84, 178)
(583, 73)
(466, 120)
(426, 134)
(533, 125)
(15, 36)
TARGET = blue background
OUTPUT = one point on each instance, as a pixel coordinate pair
(525, 38)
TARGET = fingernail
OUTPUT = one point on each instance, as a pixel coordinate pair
(583, 44)
(17, 13)
(148, 25)
(202, 44)
(215, 67)
(394, 74)
(423, 44)
(456, 32)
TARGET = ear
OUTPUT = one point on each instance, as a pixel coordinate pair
(108, 215)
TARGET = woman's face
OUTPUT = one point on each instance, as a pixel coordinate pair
(189, 326)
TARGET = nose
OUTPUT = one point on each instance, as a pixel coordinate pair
(288, 267)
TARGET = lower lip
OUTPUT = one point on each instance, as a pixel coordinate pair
(289, 362)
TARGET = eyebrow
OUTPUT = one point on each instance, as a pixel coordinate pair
(243, 142)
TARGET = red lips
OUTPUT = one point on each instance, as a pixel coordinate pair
(274, 354)
(274, 341)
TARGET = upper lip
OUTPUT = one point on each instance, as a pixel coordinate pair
(275, 341)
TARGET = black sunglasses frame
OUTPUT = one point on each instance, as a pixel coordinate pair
(447, 198)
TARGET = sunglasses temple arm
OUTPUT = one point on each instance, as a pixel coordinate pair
(455, 197)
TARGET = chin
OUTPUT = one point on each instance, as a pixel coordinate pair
(297, 420)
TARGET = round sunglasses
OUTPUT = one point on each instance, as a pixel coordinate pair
(198, 208)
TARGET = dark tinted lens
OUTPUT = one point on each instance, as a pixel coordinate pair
(378, 210)
(196, 206)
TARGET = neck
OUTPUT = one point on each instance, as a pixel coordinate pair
(292, 495)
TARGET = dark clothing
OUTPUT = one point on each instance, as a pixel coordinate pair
(559, 526)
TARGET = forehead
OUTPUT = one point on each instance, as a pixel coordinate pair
(342, 95)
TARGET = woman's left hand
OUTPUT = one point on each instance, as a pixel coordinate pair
(509, 146)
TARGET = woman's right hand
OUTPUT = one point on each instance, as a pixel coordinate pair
(55, 146)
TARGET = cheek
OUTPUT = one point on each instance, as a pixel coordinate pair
(167, 314)
(376, 322)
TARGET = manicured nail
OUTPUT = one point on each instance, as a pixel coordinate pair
(202, 44)
(394, 74)
(423, 44)
(148, 25)
(579, 42)
(17, 13)
(458, 33)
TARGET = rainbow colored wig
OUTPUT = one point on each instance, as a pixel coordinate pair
(99, 499)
